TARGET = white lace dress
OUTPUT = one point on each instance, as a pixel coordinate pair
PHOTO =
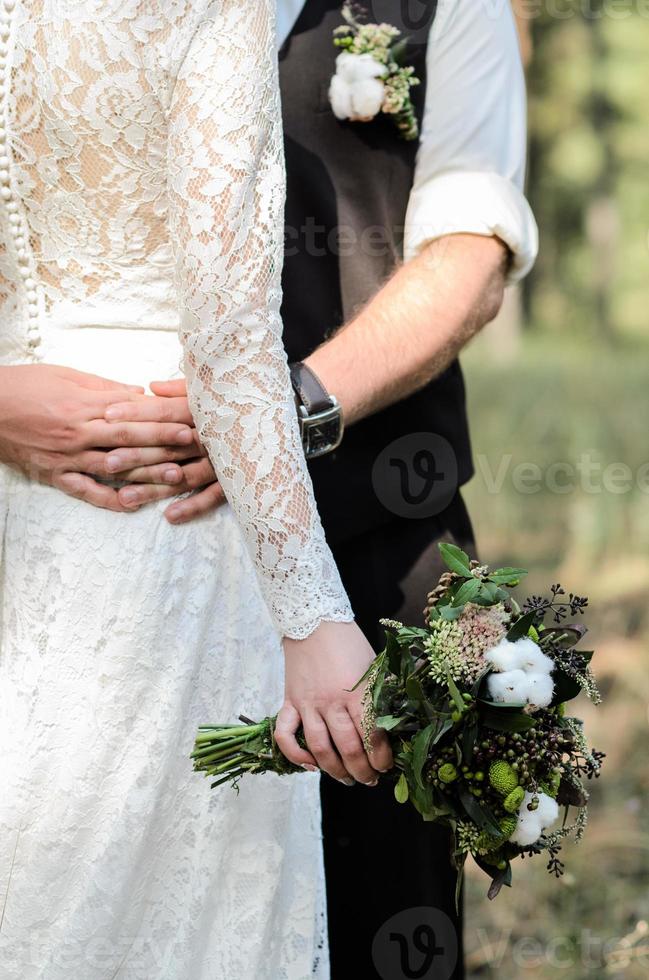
(141, 192)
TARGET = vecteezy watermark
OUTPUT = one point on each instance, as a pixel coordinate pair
(416, 475)
(414, 16)
(416, 944)
(587, 473)
(582, 952)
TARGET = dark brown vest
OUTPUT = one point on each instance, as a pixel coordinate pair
(348, 190)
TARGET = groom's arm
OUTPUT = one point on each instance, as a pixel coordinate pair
(415, 326)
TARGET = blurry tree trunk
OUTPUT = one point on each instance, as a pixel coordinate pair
(601, 216)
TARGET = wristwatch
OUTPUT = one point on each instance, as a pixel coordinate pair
(319, 414)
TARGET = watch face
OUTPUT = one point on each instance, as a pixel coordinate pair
(323, 437)
(322, 432)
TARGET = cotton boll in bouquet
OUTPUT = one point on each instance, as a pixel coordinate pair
(474, 704)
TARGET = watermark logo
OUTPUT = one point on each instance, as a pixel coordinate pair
(415, 476)
(416, 944)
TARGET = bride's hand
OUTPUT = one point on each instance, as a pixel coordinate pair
(320, 672)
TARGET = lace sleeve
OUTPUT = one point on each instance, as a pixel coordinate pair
(226, 187)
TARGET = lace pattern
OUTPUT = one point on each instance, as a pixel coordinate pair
(162, 180)
(226, 179)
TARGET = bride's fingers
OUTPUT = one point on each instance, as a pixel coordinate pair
(320, 745)
(136, 494)
(287, 724)
(380, 754)
(169, 389)
(152, 409)
(195, 505)
(349, 744)
(193, 475)
(85, 488)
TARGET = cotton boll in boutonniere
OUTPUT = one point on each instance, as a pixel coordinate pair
(370, 78)
(357, 90)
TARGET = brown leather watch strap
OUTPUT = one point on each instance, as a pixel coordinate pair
(309, 388)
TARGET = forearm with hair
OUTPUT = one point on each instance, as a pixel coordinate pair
(415, 326)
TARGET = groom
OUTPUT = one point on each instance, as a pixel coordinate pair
(359, 197)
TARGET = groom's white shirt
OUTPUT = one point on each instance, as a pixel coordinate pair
(471, 162)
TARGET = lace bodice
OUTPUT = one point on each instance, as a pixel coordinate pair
(142, 178)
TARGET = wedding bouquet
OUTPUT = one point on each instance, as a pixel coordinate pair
(474, 704)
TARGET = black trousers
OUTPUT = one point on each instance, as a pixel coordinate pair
(390, 883)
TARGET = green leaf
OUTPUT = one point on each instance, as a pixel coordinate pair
(460, 861)
(420, 747)
(450, 612)
(565, 688)
(392, 653)
(445, 727)
(467, 591)
(506, 721)
(414, 690)
(455, 559)
(490, 594)
(387, 722)
(480, 814)
(521, 626)
(507, 576)
(398, 51)
(411, 634)
(401, 791)
(453, 690)
(421, 798)
(499, 877)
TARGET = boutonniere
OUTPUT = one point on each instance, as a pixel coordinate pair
(370, 77)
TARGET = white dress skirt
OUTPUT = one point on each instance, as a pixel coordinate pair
(120, 634)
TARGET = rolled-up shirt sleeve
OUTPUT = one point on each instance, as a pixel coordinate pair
(470, 167)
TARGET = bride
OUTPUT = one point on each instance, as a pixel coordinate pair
(141, 194)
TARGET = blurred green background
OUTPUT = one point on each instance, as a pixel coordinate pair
(559, 403)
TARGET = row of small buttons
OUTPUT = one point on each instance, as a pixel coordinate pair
(17, 224)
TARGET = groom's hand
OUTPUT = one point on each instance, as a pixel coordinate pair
(52, 429)
(155, 475)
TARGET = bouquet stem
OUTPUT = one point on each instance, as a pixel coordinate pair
(231, 751)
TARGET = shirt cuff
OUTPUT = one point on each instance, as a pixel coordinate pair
(473, 203)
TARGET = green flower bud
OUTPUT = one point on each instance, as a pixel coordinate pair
(513, 801)
(447, 773)
(502, 777)
(508, 825)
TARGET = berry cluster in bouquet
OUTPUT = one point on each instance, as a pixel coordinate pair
(474, 704)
